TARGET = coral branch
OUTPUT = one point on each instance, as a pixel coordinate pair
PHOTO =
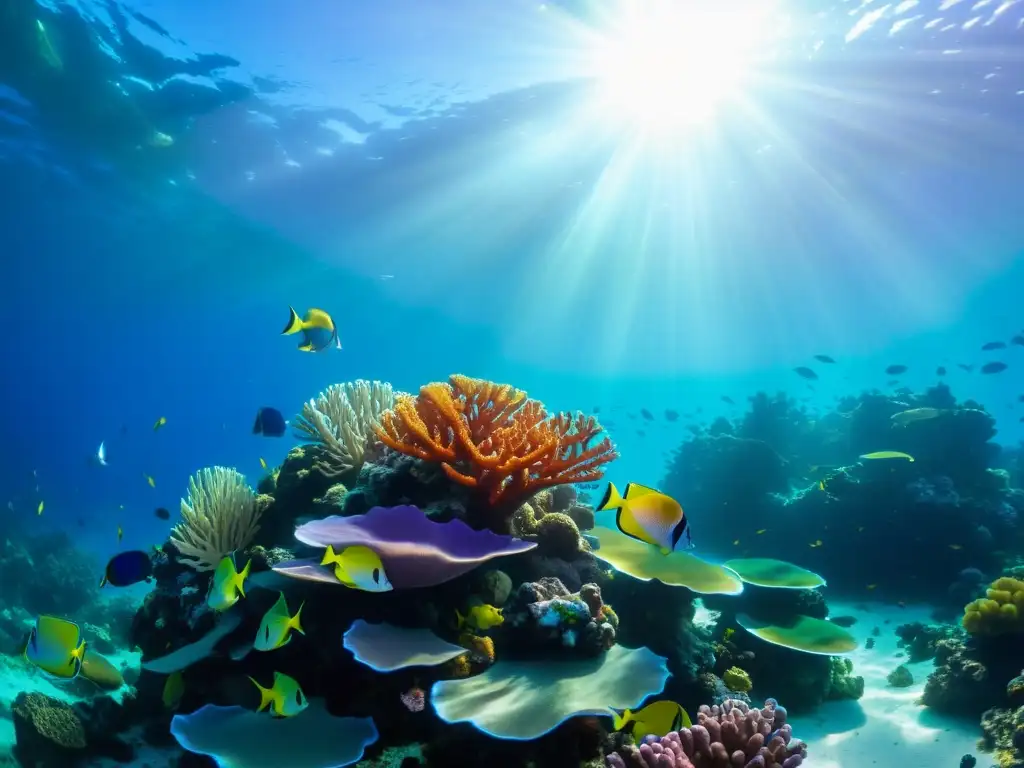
(493, 438)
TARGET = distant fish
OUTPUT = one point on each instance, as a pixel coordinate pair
(940, 371)
(887, 455)
(150, 480)
(1018, 340)
(824, 359)
(127, 568)
(648, 515)
(263, 462)
(647, 414)
(903, 418)
(269, 423)
(994, 367)
(101, 454)
(596, 409)
(728, 400)
(39, 509)
(671, 415)
(159, 423)
(284, 697)
(162, 513)
(896, 370)
(174, 689)
(965, 367)
(989, 346)
(120, 535)
(805, 372)
(317, 329)
(815, 544)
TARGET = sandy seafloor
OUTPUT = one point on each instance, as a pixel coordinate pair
(885, 728)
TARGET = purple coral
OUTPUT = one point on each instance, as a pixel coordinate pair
(728, 736)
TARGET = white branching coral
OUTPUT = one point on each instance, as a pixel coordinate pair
(220, 516)
(340, 419)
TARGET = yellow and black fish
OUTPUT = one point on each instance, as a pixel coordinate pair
(648, 515)
(317, 329)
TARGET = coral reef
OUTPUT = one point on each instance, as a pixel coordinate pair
(1001, 611)
(729, 735)
(544, 615)
(900, 677)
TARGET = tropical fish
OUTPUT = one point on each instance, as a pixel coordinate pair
(657, 719)
(940, 371)
(228, 584)
(263, 462)
(896, 370)
(101, 454)
(671, 415)
(162, 513)
(150, 480)
(648, 515)
(277, 624)
(965, 367)
(317, 329)
(647, 414)
(821, 485)
(162, 421)
(174, 689)
(1018, 340)
(815, 544)
(127, 568)
(824, 359)
(994, 367)
(481, 617)
(903, 418)
(285, 698)
(39, 509)
(990, 345)
(804, 372)
(56, 647)
(728, 400)
(358, 567)
(759, 531)
(887, 455)
(269, 423)
(120, 535)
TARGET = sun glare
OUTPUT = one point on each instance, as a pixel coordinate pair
(667, 65)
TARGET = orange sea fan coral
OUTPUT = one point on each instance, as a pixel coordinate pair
(492, 437)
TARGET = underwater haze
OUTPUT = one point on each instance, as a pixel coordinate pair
(708, 311)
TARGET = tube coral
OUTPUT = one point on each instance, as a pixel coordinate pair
(495, 439)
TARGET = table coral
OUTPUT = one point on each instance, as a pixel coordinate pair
(729, 735)
(1001, 611)
(493, 438)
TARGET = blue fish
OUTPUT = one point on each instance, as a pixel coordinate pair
(56, 647)
(127, 568)
(317, 329)
(269, 423)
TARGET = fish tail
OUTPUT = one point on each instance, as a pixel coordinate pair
(330, 556)
(620, 721)
(460, 620)
(611, 499)
(266, 695)
(296, 621)
(295, 323)
(239, 580)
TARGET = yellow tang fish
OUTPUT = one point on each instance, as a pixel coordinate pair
(657, 719)
(228, 584)
(275, 629)
(481, 617)
(317, 329)
(174, 689)
(159, 423)
(888, 455)
(358, 567)
(648, 515)
(284, 697)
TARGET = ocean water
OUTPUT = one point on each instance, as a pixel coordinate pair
(619, 207)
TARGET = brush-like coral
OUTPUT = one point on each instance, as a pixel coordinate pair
(220, 516)
(340, 419)
(492, 438)
(1001, 611)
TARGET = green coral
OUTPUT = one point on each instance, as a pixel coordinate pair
(843, 684)
(736, 679)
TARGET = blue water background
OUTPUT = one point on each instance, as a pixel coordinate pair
(128, 299)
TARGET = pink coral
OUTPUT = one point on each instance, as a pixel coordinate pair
(728, 736)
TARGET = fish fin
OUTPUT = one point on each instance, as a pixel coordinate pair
(239, 580)
(280, 607)
(296, 621)
(65, 632)
(611, 499)
(460, 620)
(317, 318)
(307, 347)
(679, 530)
(686, 722)
(266, 695)
(294, 325)
(330, 556)
(620, 721)
(635, 490)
